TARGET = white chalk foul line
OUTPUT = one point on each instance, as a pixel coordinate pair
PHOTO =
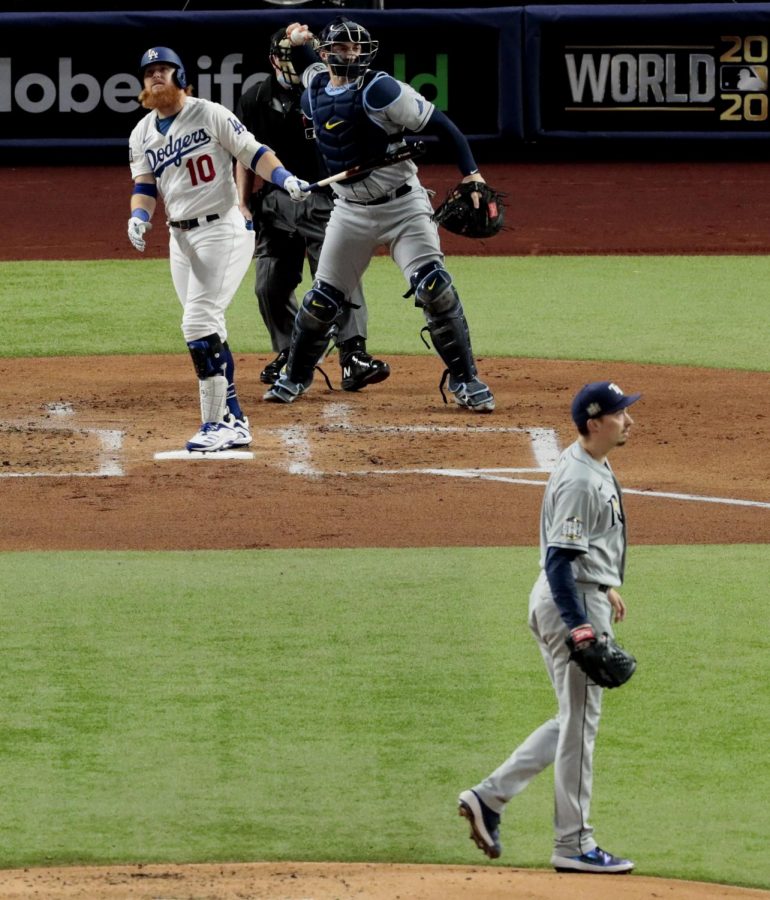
(669, 495)
(493, 475)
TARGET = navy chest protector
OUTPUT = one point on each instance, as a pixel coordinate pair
(346, 136)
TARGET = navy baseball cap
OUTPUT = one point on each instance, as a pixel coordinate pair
(598, 399)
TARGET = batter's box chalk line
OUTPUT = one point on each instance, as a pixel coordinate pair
(197, 454)
(107, 458)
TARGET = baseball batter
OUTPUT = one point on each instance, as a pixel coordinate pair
(582, 558)
(183, 149)
(359, 114)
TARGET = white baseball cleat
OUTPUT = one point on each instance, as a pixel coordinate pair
(241, 428)
(213, 436)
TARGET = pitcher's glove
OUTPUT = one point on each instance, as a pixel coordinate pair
(458, 214)
(603, 661)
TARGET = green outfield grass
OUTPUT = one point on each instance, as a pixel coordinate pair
(646, 309)
(146, 717)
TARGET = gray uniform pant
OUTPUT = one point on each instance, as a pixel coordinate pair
(290, 232)
(567, 740)
(404, 225)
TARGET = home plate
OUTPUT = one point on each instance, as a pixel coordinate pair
(196, 454)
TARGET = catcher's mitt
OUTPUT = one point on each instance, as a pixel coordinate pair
(603, 661)
(458, 214)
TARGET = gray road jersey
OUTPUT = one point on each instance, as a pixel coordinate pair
(410, 111)
(583, 510)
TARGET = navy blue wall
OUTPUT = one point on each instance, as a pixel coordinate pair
(510, 77)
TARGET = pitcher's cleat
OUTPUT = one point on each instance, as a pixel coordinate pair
(484, 822)
(597, 861)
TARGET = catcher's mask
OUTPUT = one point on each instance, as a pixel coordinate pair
(353, 65)
(164, 55)
(280, 57)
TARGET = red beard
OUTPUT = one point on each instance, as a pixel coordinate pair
(165, 97)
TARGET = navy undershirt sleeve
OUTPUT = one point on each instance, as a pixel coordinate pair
(558, 571)
(443, 125)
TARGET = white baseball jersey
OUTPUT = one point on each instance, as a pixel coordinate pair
(192, 163)
(583, 510)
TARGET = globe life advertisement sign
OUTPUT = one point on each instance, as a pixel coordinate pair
(82, 88)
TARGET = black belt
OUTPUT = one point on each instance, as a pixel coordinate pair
(602, 588)
(187, 224)
(399, 192)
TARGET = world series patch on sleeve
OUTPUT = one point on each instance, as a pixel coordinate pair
(459, 215)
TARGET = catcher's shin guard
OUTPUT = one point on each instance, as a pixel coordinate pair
(452, 341)
(434, 292)
(314, 327)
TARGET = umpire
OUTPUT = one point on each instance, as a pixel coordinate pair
(287, 233)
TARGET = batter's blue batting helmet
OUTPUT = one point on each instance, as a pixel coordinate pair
(164, 55)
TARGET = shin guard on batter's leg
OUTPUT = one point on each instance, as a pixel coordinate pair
(210, 361)
(213, 397)
(314, 327)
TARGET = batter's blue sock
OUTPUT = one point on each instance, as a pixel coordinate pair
(233, 405)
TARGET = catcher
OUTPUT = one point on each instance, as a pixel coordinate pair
(361, 113)
(571, 610)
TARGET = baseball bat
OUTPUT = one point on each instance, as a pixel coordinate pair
(412, 151)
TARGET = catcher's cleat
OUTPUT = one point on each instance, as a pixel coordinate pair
(241, 429)
(474, 395)
(597, 861)
(484, 822)
(212, 436)
(284, 391)
(360, 369)
(272, 370)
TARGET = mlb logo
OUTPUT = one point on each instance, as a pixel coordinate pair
(743, 77)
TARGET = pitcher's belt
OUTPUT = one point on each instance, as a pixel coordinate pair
(602, 588)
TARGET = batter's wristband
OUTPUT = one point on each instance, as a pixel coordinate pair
(140, 214)
(149, 190)
(279, 175)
